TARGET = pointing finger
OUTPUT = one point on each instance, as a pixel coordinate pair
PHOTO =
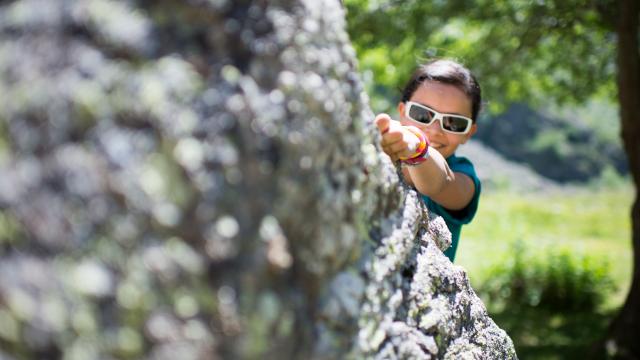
(382, 122)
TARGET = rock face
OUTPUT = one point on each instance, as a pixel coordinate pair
(199, 180)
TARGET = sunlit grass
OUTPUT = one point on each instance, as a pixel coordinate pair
(584, 220)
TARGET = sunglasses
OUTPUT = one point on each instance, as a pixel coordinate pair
(455, 124)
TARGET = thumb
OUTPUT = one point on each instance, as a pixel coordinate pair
(382, 122)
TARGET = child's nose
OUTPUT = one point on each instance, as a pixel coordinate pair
(435, 126)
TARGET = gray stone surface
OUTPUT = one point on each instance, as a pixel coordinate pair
(199, 180)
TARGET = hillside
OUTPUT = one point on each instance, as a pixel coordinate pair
(570, 146)
(497, 172)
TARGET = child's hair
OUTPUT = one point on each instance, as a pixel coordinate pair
(447, 72)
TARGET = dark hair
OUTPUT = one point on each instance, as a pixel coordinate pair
(446, 72)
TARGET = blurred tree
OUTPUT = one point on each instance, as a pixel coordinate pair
(532, 51)
(520, 50)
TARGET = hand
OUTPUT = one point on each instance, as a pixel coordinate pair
(397, 141)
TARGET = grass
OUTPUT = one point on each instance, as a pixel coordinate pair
(545, 335)
(594, 221)
(583, 220)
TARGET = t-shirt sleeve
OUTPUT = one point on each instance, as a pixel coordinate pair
(463, 216)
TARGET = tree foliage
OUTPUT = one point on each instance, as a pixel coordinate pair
(520, 50)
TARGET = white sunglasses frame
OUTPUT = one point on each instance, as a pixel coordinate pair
(439, 116)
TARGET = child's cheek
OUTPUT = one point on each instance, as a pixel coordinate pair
(404, 122)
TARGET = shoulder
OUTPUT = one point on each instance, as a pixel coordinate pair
(464, 216)
(461, 164)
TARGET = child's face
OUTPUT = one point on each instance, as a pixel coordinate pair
(445, 99)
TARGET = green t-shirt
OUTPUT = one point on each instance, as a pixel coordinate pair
(456, 218)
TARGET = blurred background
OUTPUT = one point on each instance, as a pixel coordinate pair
(549, 250)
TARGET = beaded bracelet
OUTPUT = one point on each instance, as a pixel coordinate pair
(422, 152)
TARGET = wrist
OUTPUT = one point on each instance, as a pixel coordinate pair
(422, 151)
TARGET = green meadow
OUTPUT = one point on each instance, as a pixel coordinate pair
(587, 221)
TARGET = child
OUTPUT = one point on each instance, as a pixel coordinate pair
(438, 112)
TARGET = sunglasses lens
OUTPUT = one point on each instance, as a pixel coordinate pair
(455, 124)
(420, 114)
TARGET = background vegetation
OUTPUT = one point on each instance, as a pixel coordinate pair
(534, 50)
(570, 246)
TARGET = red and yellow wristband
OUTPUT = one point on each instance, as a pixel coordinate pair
(422, 151)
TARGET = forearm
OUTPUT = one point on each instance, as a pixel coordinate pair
(431, 176)
(406, 175)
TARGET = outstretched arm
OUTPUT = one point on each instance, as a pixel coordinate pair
(432, 177)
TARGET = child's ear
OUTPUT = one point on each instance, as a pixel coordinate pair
(400, 109)
(471, 132)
